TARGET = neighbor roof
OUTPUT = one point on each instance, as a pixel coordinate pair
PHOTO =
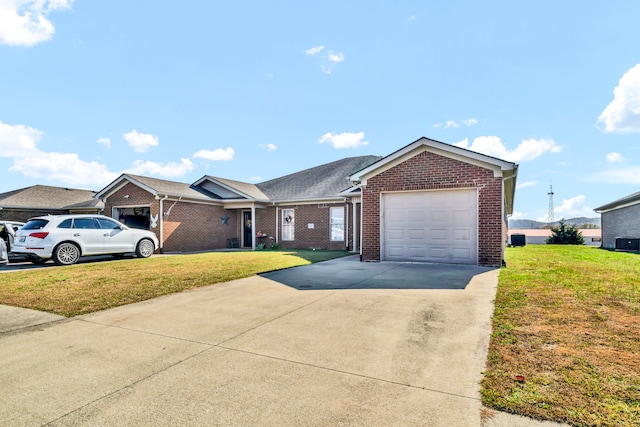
(48, 197)
(629, 200)
(320, 182)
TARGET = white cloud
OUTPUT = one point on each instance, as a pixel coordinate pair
(167, 170)
(519, 215)
(217, 154)
(26, 23)
(63, 167)
(140, 142)
(335, 57)
(314, 50)
(571, 208)
(453, 124)
(626, 175)
(19, 144)
(412, 18)
(18, 141)
(615, 158)
(256, 178)
(526, 184)
(105, 141)
(623, 113)
(344, 140)
(269, 147)
(529, 149)
(328, 59)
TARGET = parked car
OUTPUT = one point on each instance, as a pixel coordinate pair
(4, 254)
(66, 238)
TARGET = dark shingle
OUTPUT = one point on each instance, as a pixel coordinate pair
(324, 181)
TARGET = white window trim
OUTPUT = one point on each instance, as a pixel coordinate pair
(290, 226)
(331, 223)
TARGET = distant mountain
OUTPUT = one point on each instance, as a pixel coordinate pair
(532, 224)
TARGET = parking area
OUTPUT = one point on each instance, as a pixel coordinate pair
(263, 351)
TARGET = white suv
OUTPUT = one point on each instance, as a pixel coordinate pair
(66, 238)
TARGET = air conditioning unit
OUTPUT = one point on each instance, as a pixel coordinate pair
(518, 240)
(630, 244)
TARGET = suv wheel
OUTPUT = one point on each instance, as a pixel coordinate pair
(66, 254)
(145, 248)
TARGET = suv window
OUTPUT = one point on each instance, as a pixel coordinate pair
(85, 223)
(35, 224)
(66, 223)
(107, 224)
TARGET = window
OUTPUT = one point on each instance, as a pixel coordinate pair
(288, 224)
(337, 224)
(107, 224)
(85, 223)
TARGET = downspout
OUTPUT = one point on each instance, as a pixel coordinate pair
(505, 224)
(361, 219)
(346, 232)
(277, 223)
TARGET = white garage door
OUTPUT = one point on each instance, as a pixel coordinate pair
(430, 226)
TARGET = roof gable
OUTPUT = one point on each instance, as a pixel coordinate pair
(222, 188)
(501, 168)
(155, 186)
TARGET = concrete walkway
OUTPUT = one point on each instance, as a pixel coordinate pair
(335, 343)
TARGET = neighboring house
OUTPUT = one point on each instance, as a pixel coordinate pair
(621, 222)
(25, 203)
(538, 236)
(428, 201)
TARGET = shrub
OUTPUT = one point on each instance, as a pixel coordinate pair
(565, 234)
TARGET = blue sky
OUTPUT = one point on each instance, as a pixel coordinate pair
(254, 90)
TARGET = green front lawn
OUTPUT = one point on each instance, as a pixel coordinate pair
(566, 336)
(89, 287)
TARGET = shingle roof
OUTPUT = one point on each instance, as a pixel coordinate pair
(47, 197)
(630, 199)
(170, 188)
(324, 181)
(250, 190)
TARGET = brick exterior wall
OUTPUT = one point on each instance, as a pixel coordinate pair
(318, 237)
(188, 227)
(429, 171)
(623, 222)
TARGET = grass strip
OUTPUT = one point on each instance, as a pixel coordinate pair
(565, 344)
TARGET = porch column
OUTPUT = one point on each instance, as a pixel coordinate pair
(253, 227)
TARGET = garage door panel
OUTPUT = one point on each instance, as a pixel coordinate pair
(435, 226)
(462, 235)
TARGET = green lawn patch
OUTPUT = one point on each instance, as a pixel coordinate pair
(89, 287)
(566, 336)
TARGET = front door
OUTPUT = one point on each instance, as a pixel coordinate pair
(246, 224)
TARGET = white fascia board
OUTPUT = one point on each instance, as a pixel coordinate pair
(223, 185)
(442, 149)
(621, 206)
(121, 182)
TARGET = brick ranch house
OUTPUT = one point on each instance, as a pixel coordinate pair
(428, 201)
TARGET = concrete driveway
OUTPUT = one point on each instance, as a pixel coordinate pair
(336, 343)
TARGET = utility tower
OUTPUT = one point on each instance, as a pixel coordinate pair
(550, 193)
